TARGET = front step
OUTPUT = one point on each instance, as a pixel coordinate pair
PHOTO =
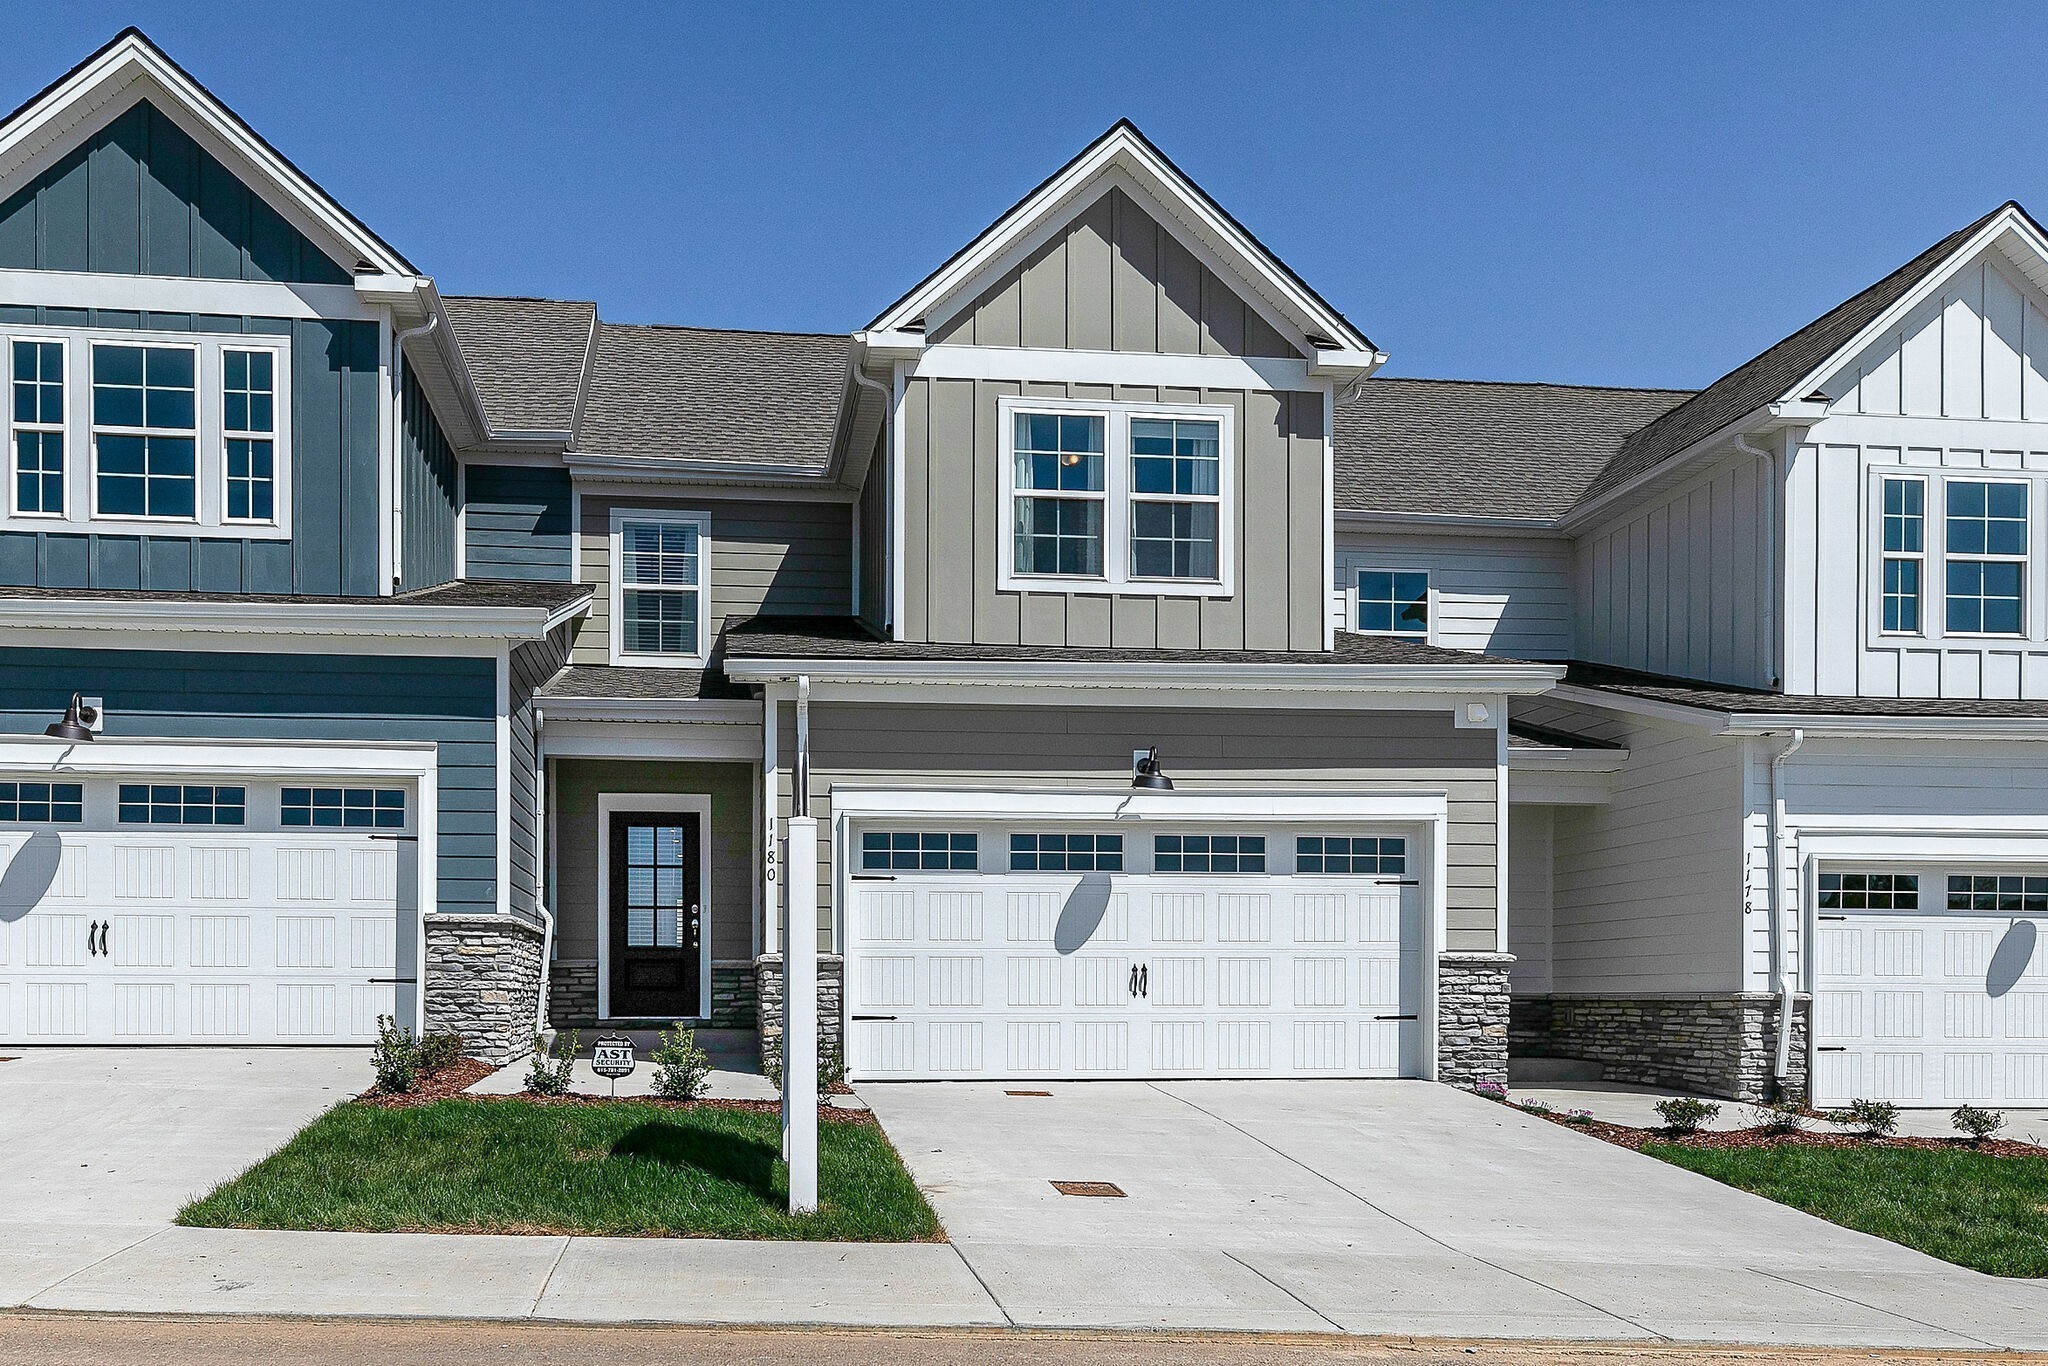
(1536, 1071)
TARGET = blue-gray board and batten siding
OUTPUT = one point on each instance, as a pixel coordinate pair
(516, 523)
(140, 197)
(426, 490)
(286, 697)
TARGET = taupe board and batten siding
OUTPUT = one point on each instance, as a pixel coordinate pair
(733, 789)
(955, 506)
(890, 745)
(1679, 585)
(1506, 595)
(782, 556)
(1114, 280)
(873, 511)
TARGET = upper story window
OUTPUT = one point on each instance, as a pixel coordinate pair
(1905, 551)
(1393, 602)
(183, 431)
(1117, 495)
(1986, 545)
(658, 572)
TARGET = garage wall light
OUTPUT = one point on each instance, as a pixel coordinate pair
(77, 723)
(1147, 774)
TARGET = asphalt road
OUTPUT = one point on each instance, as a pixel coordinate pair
(62, 1340)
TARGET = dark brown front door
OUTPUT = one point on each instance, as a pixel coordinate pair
(656, 921)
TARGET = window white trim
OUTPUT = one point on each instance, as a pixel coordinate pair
(62, 428)
(1117, 498)
(2024, 560)
(280, 422)
(682, 803)
(615, 635)
(81, 435)
(1354, 595)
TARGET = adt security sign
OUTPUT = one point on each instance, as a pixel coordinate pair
(612, 1056)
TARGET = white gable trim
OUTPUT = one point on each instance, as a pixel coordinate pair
(1123, 158)
(2009, 230)
(132, 68)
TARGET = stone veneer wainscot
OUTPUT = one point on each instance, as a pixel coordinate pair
(483, 982)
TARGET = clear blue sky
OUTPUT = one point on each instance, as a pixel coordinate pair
(1624, 194)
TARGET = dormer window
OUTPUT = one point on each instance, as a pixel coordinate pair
(1117, 496)
(148, 432)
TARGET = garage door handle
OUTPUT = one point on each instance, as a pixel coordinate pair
(1397, 882)
(401, 839)
(860, 1019)
(1397, 1017)
(1832, 1048)
(1834, 917)
(400, 980)
(90, 932)
(874, 877)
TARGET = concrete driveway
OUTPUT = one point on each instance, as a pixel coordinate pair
(1396, 1207)
(103, 1146)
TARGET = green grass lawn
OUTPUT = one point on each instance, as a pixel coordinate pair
(1989, 1213)
(516, 1167)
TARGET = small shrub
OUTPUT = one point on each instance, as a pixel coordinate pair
(1685, 1115)
(438, 1052)
(396, 1058)
(680, 1067)
(831, 1068)
(550, 1073)
(1777, 1117)
(1491, 1090)
(1979, 1124)
(1876, 1118)
(1578, 1116)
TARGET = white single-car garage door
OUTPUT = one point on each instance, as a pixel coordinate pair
(1932, 987)
(1041, 950)
(202, 911)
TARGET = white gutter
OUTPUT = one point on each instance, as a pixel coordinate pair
(1781, 979)
(1517, 680)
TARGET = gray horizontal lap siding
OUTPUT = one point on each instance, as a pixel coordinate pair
(516, 523)
(781, 557)
(141, 197)
(335, 521)
(1282, 750)
(287, 697)
(954, 509)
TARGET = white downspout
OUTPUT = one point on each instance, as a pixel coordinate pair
(398, 341)
(1781, 978)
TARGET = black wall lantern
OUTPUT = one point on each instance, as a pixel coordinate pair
(1149, 776)
(76, 725)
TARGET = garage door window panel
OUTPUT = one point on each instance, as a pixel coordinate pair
(1066, 853)
(342, 808)
(1351, 855)
(1869, 892)
(2001, 894)
(42, 803)
(919, 851)
(182, 804)
(1209, 854)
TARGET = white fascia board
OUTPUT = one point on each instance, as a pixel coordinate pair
(1447, 522)
(1027, 364)
(1345, 365)
(1701, 718)
(179, 294)
(253, 758)
(1891, 727)
(1124, 150)
(1516, 680)
(375, 619)
(854, 800)
(878, 351)
(669, 711)
(1557, 759)
(626, 469)
(38, 134)
(609, 739)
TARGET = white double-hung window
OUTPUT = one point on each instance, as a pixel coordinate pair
(178, 432)
(658, 608)
(1105, 496)
(1986, 563)
(1905, 552)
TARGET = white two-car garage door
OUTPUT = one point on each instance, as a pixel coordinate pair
(1028, 950)
(203, 912)
(1932, 987)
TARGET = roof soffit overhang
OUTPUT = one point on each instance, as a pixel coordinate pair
(1124, 158)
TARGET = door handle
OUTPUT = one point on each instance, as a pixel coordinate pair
(1134, 981)
(92, 932)
(1145, 980)
(105, 928)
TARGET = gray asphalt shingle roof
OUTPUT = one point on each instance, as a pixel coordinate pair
(693, 393)
(1753, 701)
(526, 356)
(1769, 377)
(1482, 449)
(612, 683)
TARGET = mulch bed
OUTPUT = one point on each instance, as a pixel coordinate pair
(1623, 1136)
(453, 1083)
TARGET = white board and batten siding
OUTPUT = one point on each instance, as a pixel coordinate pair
(1503, 595)
(1958, 390)
(1679, 584)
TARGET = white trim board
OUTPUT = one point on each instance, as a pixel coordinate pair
(177, 294)
(1026, 364)
(611, 803)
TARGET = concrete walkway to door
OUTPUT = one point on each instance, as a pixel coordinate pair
(1396, 1207)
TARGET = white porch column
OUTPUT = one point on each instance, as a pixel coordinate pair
(800, 1016)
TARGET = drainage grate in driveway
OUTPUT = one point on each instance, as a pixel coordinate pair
(1095, 1188)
